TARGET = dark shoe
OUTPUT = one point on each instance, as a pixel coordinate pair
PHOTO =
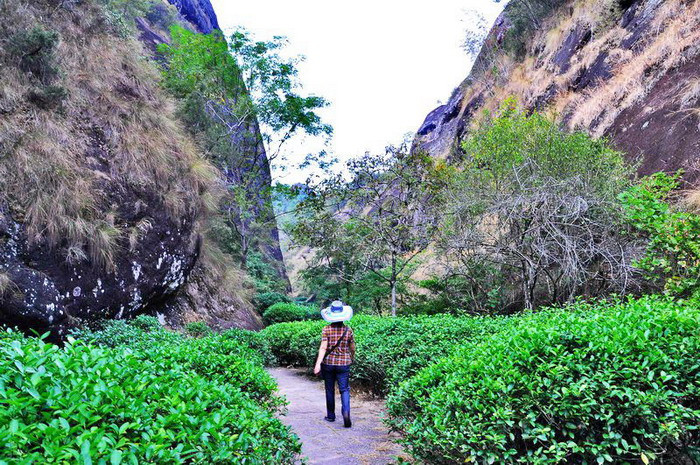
(346, 421)
(329, 419)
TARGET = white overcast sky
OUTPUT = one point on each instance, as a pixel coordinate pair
(382, 64)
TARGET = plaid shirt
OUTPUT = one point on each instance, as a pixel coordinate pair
(341, 355)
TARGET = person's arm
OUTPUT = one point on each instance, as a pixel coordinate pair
(352, 346)
(321, 353)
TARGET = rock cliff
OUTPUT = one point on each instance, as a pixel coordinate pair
(102, 191)
(99, 206)
(628, 70)
(198, 12)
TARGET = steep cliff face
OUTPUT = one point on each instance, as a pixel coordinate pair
(224, 301)
(99, 201)
(103, 193)
(249, 142)
(198, 12)
(627, 70)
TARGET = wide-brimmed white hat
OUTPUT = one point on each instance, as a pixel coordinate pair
(337, 312)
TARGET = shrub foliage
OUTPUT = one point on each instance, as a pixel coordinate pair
(588, 384)
(533, 215)
(389, 350)
(672, 253)
(138, 394)
(285, 312)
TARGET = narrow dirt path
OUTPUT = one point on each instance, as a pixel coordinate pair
(368, 442)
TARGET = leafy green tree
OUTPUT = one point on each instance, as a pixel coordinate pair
(538, 206)
(672, 252)
(378, 222)
(226, 90)
(273, 83)
(217, 109)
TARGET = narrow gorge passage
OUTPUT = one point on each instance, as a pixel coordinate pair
(368, 442)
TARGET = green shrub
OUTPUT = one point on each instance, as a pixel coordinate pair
(458, 295)
(147, 323)
(605, 383)
(143, 330)
(295, 343)
(162, 403)
(197, 329)
(217, 357)
(34, 49)
(120, 14)
(225, 361)
(162, 15)
(389, 350)
(286, 312)
(672, 253)
(264, 300)
(253, 340)
(552, 197)
(48, 97)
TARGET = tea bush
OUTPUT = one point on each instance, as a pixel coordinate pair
(197, 329)
(389, 350)
(253, 340)
(143, 330)
(220, 358)
(264, 300)
(590, 384)
(162, 403)
(284, 312)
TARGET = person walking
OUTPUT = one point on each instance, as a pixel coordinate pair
(335, 355)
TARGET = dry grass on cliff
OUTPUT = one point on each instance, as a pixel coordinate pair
(693, 200)
(689, 100)
(220, 288)
(672, 38)
(115, 127)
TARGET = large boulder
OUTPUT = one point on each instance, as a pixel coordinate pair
(44, 292)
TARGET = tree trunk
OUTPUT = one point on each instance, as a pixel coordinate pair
(393, 284)
(525, 273)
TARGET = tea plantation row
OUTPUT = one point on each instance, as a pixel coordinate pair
(591, 384)
(134, 393)
(389, 350)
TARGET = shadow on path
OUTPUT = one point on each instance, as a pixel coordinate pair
(368, 442)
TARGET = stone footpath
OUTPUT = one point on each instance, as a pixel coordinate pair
(368, 442)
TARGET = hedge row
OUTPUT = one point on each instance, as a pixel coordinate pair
(590, 384)
(285, 312)
(135, 394)
(389, 350)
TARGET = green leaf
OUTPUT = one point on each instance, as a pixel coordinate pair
(115, 458)
(85, 453)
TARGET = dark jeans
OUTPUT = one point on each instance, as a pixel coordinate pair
(341, 374)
